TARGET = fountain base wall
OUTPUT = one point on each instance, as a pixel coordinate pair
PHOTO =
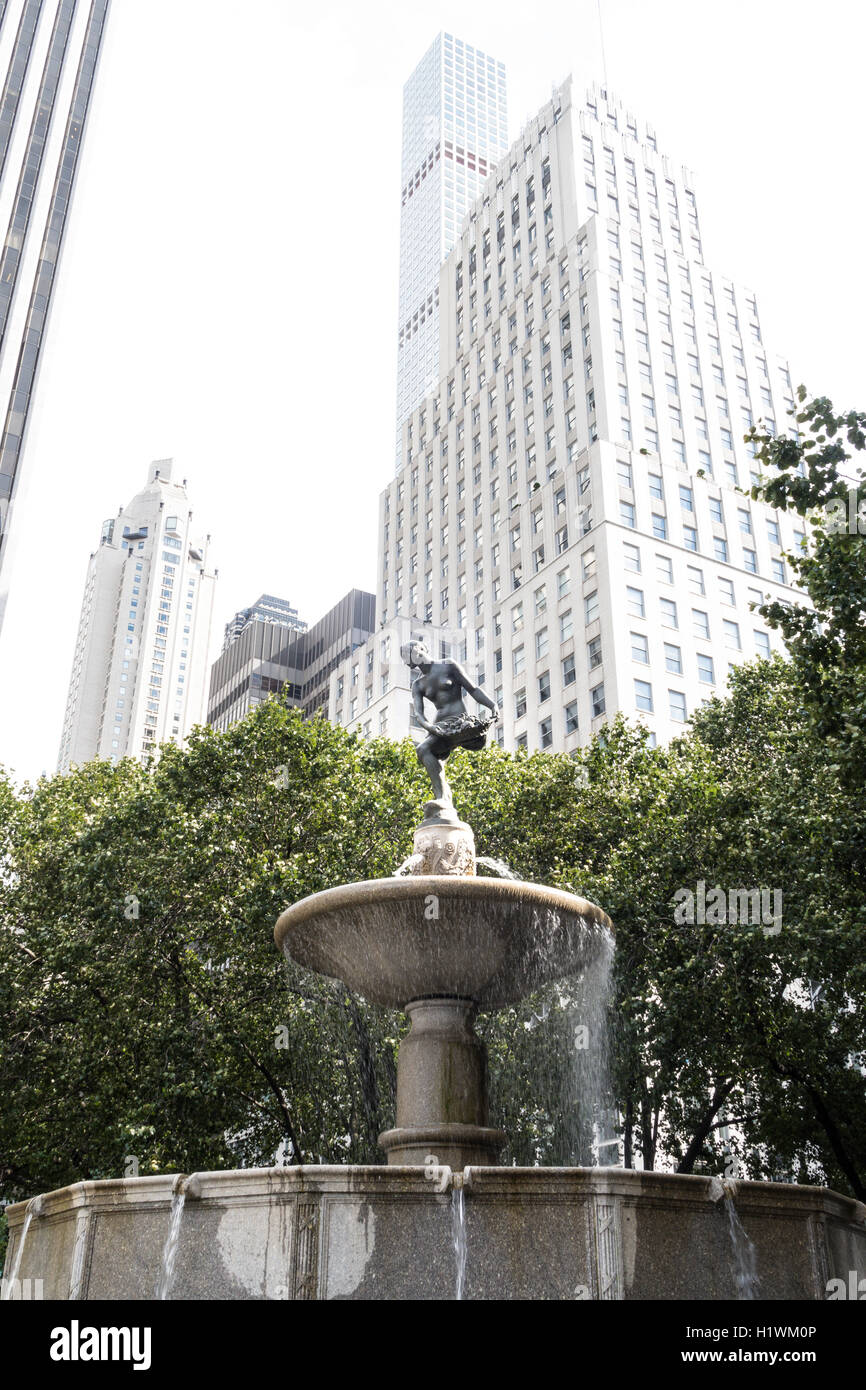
(385, 1233)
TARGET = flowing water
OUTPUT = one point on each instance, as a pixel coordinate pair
(458, 1237)
(589, 1118)
(169, 1250)
(496, 866)
(745, 1260)
(11, 1281)
(408, 866)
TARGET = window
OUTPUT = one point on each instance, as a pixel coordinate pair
(590, 607)
(588, 563)
(566, 627)
(669, 612)
(673, 659)
(732, 634)
(627, 516)
(643, 696)
(696, 579)
(571, 718)
(686, 498)
(624, 474)
(705, 669)
(655, 486)
(664, 569)
(596, 700)
(543, 687)
(720, 549)
(700, 624)
(677, 705)
(750, 560)
(545, 730)
(777, 568)
(563, 582)
(635, 602)
(773, 532)
(726, 591)
(569, 674)
(631, 557)
(542, 643)
(593, 653)
(690, 538)
(762, 643)
(639, 648)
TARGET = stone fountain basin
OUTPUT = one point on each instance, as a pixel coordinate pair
(490, 940)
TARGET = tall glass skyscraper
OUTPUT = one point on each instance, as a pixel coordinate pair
(48, 56)
(454, 133)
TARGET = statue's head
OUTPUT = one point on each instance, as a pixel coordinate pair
(417, 653)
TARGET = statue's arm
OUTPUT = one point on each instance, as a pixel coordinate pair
(418, 705)
(475, 691)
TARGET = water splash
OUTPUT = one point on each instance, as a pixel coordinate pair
(11, 1281)
(172, 1241)
(458, 1237)
(745, 1258)
(496, 866)
(589, 1113)
(408, 866)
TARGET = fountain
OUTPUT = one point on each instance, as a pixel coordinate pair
(440, 1219)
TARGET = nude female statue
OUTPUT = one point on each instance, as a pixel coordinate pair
(443, 683)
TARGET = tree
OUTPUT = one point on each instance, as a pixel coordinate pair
(811, 472)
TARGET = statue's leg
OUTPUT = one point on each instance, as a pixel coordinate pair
(435, 771)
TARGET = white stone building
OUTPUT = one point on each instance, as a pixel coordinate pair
(455, 130)
(568, 498)
(140, 670)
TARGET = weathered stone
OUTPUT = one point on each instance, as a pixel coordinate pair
(385, 1232)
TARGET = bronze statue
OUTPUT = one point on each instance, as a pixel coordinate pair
(443, 683)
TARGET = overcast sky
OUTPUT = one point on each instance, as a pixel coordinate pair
(228, 290)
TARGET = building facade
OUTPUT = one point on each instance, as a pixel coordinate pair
(269, 652)
(139, 673)
(49, 51)
(455, 130)
(572, 498)
(266, 609)
(262, 655)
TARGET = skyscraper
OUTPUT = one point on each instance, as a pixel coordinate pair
(268, 652)
(48, 57)
(454, 131)
(140, 669)
(568, 496)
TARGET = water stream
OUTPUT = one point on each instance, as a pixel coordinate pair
(169, 1250)
(11, 1282)
(745, 1260)
(458, 1237)
(496, 866)
(409, 865)
(591, 1127)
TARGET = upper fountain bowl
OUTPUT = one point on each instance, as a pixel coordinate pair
(486, 939)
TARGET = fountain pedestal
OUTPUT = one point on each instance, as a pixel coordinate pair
(441, 946)
(442, 1108)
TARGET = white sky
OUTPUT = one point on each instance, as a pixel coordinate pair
(228, 290)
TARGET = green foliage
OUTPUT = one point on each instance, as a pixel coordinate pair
(813, 473)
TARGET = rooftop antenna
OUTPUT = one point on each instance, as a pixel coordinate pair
(601, 36)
